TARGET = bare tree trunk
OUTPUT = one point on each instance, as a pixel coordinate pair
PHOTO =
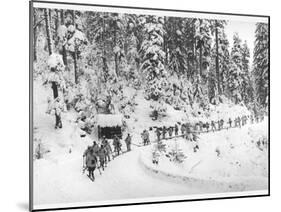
(55, 90)
(48, 31)
(49, 42)
(62, 17)
(64, 55)
(217, 60)
(57, 21)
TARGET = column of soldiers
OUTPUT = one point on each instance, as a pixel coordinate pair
(185, 129)
(98, 156)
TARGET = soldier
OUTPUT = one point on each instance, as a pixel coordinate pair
(91, 162)
(103, 141)
(176, 129)
(187, 129)
(242, 121)
(95, 148)
(229, 122)
(147, 139)
(102, 156)
(239, 121)
(207, 126)
(221, 124)
(164, 132)
(213, 125)
(182, 129)
(158, 133)
(128, 141)
(87, 151)
(117, 145)
(170, 131)
(108, 151)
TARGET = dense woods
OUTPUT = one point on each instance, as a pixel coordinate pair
(182, 62)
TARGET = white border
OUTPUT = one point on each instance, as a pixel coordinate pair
(152, 199)
(151, 12)
(158, 13)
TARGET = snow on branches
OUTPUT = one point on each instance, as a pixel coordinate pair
(56, 65)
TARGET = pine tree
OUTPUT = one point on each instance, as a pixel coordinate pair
(203, 38)
(175, 48)
(220, 59)
(152, 66)
(236, 70)
(117, 27)
(217, 27)
(189, 32)
(261, 66)
(246, 89)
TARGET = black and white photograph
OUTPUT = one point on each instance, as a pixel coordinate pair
(135, 105)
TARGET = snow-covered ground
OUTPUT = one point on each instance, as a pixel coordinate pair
(58, 176)
(241, 164)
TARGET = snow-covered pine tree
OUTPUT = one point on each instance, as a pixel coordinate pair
(190, 46)
(117, 25)
(261, 68)
(203, 44)
(236, 70)
(153, 64)
(97, 32)
(223, 62)
(217, 27)
(174, 45)
(247, 87)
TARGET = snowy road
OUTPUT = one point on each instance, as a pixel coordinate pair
(124, 178)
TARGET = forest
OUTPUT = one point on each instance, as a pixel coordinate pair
(88, 58)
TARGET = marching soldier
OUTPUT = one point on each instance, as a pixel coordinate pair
(158, 133)
(207, 126)
(182, 129)
(213, 126)
(176, 129)
(239, 121)
(128, 141)
(164, 132)
(170, 131)
(221, 122)
(108, 151)
(117, 145)
(230, 122)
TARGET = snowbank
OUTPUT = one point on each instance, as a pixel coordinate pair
(240, 166)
